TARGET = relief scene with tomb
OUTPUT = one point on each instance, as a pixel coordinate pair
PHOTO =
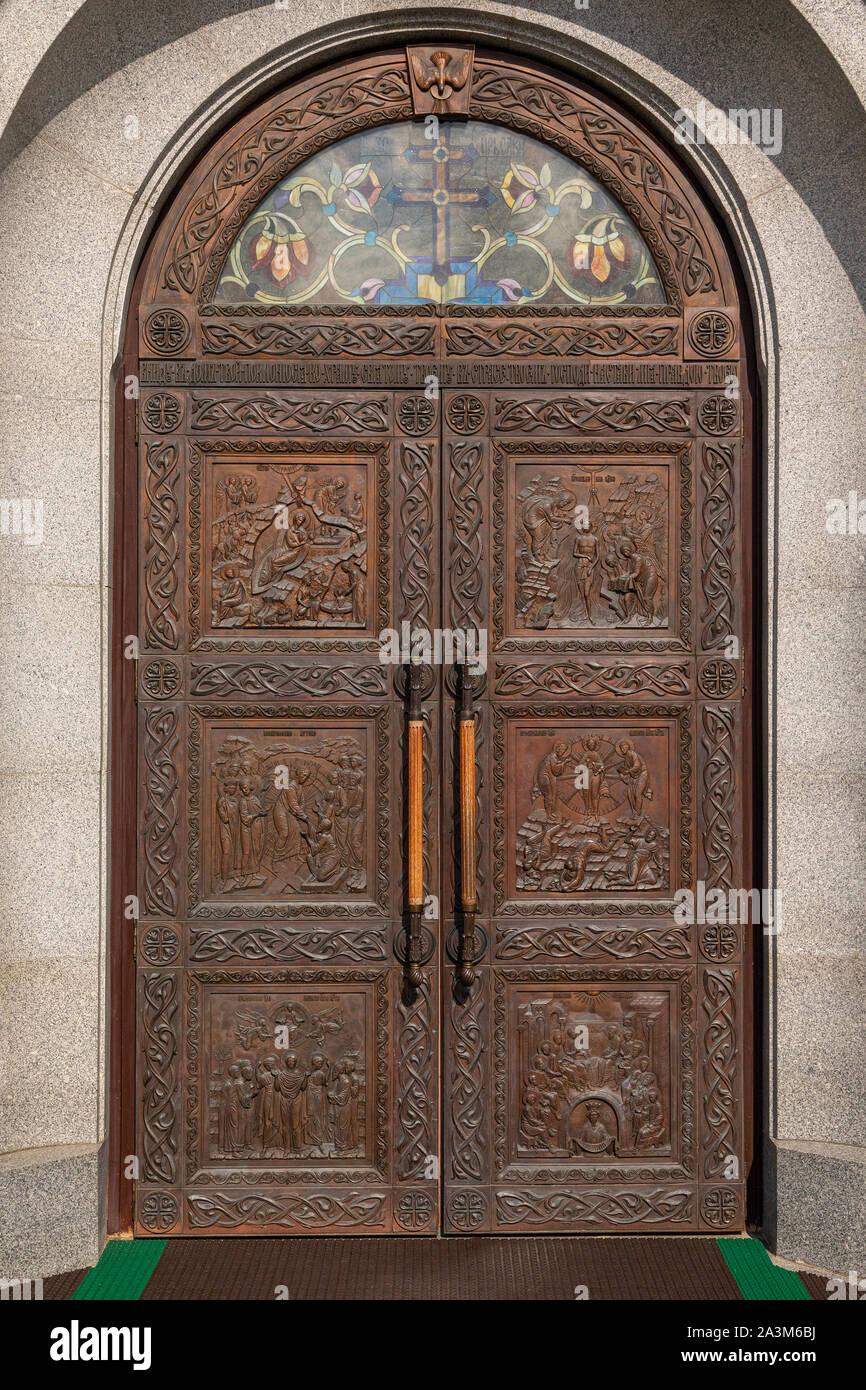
(287, 1080)
(591, 548)
(289, 546)
(288, 811)
(594, 1074)
(593, 810)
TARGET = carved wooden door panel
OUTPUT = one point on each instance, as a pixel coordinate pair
(594, 1068)
(285, 1083)
(441, 340)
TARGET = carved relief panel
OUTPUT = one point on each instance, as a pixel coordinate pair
(288, 810)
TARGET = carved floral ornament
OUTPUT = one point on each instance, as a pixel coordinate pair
(527, 189)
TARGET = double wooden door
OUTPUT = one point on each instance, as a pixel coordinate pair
(439, 344)
(569, 1056)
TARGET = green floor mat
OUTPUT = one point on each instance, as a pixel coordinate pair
(123, 1270)
(757, 1277)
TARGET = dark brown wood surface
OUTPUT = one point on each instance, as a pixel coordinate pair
(596, 1075)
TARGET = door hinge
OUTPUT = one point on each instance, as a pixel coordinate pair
(135, 941)
(135, 418)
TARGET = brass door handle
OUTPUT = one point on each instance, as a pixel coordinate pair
(415, 831)
(468, 850)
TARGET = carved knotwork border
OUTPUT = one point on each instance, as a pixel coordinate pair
(681, 819)
(375, 92)
(196, 982)
(197, 715)
(682, 977)
(160, 1092)
(523, 449)
(199, 452)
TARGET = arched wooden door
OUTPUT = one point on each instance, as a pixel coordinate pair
(439, 341)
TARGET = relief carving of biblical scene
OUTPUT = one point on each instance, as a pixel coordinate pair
(591, 547)
(289, 813)
(593, 811)
(287, 1080)
(289, 545)
(594, 1074)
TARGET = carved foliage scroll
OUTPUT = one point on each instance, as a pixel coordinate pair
(466, 514)
(415, 1061)
(717, 545)
(469, 1032)
(159, 1076)
(162, 475)
(720, 1132)
(415, 514)
(719, 795)
(161, 810)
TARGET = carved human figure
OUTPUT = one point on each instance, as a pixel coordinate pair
(588, 756)
(343, 1098)
(551, 767)
(347, 812)
(247, 1092)
(643, 854)
(573, 578)
(268, 1124)
(290, 812)
(317, 1132)
(228, 834)
(282, 553)
(291, 1083)
(650, 1130)
(251, 814)
(324, 860)
(574, 868)
(232, 603)
(594, 1136)
(633, 771)
(230, 1126)
(541, 517)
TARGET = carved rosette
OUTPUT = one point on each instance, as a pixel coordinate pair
(158, 1212)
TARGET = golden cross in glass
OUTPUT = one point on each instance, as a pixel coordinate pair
(441, 196)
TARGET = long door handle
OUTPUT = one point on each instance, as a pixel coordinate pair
(415, 834)
(468, 851)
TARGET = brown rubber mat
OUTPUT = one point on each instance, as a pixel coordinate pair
(481, 1267)
(817, 1285)
(61, 1286)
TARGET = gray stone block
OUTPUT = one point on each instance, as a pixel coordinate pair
(51, 1210)
(821, 1205)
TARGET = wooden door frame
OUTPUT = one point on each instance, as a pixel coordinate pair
(123, 682)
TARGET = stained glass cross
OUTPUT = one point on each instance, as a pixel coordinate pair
(441, 196)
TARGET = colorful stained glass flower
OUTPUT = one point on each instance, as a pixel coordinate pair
(280, 249)
(597, 247)
(362, 187)
(520, 187)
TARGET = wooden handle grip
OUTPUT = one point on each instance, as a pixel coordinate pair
(467, 815)
(416, 814)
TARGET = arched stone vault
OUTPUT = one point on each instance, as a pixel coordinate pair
(106, 104)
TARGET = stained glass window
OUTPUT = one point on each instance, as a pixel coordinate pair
(460, 213)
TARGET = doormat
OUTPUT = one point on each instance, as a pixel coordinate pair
(756, 1275)
(124, 1268)
(382, 1268)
